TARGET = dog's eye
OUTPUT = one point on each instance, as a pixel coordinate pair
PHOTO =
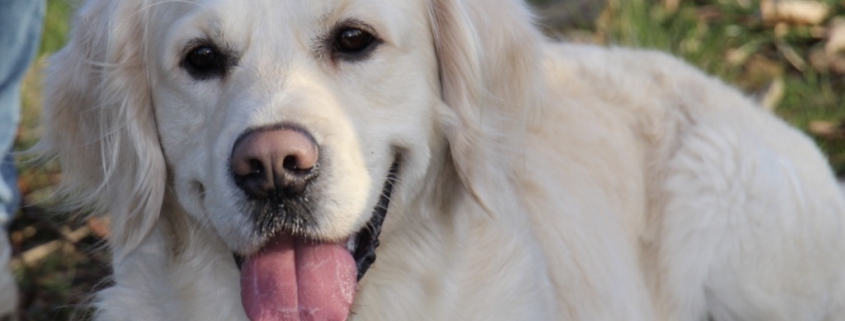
(353, 43)
(202, 58)
(204, 62)
(353, 40)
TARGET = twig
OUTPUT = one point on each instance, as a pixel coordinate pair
(791, 55)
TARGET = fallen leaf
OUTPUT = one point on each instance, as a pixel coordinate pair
(805, 12)
(774, 94)
(671, 6)
(99, 226)
(822, 128)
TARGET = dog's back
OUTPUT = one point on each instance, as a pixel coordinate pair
(741, 217)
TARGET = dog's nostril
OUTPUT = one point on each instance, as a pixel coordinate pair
(291, 163)
(294, 164)
(256, 167)
(274, 162)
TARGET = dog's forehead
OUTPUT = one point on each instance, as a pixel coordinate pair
(293, 19)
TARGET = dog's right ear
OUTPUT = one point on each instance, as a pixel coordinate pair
(98, 121)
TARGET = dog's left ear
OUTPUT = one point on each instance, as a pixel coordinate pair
(489, 55)
(98, 121)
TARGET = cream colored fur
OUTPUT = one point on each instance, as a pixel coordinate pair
(539, 181)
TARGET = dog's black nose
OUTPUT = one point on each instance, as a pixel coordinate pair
(274, 163)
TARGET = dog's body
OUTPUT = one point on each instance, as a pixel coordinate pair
(536, 181)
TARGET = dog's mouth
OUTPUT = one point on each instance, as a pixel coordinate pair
(294, 278)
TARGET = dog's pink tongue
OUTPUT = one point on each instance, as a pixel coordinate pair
(294, 280)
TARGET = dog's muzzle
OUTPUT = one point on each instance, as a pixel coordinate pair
(275, 167)
(296, 271)
(362, 245)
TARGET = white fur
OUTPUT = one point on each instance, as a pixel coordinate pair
(538, 181)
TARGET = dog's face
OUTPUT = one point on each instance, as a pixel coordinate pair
(280, 125)
(357, 80)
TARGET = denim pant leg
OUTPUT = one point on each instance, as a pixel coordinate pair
(20, 33)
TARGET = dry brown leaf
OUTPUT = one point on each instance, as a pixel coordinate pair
(805, 12)
(818, 59)
(99, 226)
(671, 5)
(835, 37)
(774, 94)
(36, 254)
(738, 56)
(822, 128)
(834, 48)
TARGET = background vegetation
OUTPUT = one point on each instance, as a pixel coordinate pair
(793, 66)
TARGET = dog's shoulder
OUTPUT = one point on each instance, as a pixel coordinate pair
(656, 94)
(633, 77)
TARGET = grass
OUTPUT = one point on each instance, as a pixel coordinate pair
(56, 25)
(724, 37)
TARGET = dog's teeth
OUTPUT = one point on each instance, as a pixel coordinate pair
(352, 244)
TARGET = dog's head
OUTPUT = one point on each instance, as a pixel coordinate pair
(282, 124)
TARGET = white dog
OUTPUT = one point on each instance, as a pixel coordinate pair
(511, 178)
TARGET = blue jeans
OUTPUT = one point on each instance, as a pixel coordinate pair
(20, 34)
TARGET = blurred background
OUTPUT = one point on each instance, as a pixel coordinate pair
(790, 55)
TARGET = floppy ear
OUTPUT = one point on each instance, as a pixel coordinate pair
(489, 58)
(98, 120)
